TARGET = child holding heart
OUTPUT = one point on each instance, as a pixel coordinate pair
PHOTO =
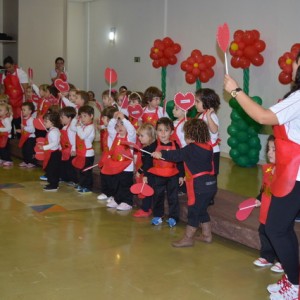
(267, 252)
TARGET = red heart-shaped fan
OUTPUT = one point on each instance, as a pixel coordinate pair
(135, 111)
(110, 75)
(142, 188)
(61, 85)
(245, 209)
(38, 123)
(184, 101)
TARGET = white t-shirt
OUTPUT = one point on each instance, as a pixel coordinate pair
(288, 113)
(213, 136)
(53, 137)
(87, 133)
(179, 132)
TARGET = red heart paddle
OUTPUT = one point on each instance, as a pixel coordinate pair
(61, 85)
(184, 101)
(245, 209)
(142, 188)
(135, 111)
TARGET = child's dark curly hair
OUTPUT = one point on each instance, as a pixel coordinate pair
(168, 123)
(196, 130)
(271, 138)
(150, 93)
(54, 118)
(209, 98)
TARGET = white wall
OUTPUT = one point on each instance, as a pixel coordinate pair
(193, 24)
(42, 36)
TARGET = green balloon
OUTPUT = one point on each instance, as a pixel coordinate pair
(242, 136)
(251, 131)
(253, 153)
(234, 153)
(232, 130)
(169, 108)
(243, 148)
(232, 142)
(242, 125)
(234, 116)
(233, 103)
(243, 161)
(192, 112)
(254, 142)
(257, 99)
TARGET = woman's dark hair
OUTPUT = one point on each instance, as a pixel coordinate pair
(209, 98)
(196, 130)
(8, 60)
(168, 123)
(59, 58)
(270, 138)
(296, 85)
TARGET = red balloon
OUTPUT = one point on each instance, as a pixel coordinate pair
(168, 42)
(160, 54)
(244, 63)
(196, 53)
(153, 55)
(237, 36)
(285, 78)
(190, 78)
(172, 60)
(256, 34)
(168, 52)
(287, 68)
(250, 51)
(158, 43)
(260, 45)
(163, 62)
(242, 45)
(248, 37)
(257, 60)
(189, 68)
(196, 72)
(184, 65)
(176, 48)
(235, 62)
(209, 60)
(191, 60)
(202, 66)
(204, 77)
(156, 64)
(210, 72)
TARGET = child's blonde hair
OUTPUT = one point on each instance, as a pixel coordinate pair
(8, 108)
(149, 129)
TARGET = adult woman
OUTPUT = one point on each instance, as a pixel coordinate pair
(59, 72)
(285, 203)
(15, 83)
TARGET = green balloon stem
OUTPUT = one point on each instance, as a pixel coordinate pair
(246, 75)
(198, 84)
(163, 82)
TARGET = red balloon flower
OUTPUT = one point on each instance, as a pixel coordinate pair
(285, 63)
(245, 49)
(163, 52)
(198, 66)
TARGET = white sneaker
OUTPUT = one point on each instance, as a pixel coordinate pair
(102, 197)
(23, 164)
(124, 206)
(276, 287)
(288, 292)
(277, 268)
(111, 203)
(262, 262)
(8, 164)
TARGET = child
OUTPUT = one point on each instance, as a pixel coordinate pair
(151, 102)
(167, 177)
(84, 148)
(68, 146)
(27, 140)
(200, 180)
(207, 103)
(120, 99)
(178, 134)
(120, 161)
(133, 99)
(109, 99)
(106, 186)
(5, 134)
(51, 163)
(147, 136)
(81, 99)
(267, 252)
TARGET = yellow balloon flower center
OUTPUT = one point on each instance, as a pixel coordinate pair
(196, 65)
(234, 47)
(156, 50)
(288, 61)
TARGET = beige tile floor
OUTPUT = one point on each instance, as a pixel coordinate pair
(88, 252)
